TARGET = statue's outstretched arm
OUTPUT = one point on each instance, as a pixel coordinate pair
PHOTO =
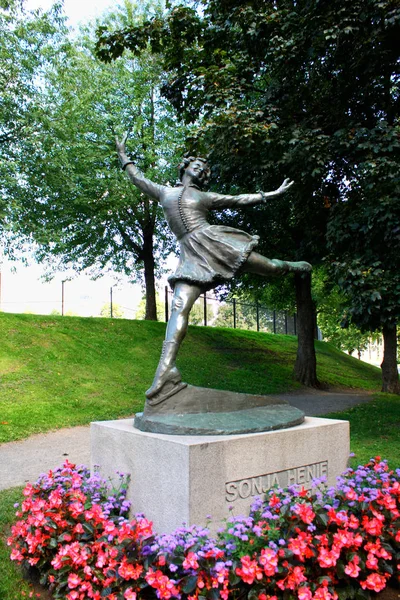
(226, 201)
(154, 190)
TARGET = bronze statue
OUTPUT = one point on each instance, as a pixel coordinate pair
(209, 254)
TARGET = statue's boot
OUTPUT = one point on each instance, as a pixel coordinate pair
(167, 380)
(292, 267)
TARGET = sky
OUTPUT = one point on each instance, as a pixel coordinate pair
(76, 10)
(22, 288)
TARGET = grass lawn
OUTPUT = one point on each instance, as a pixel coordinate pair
(374, 429)
(64, 371)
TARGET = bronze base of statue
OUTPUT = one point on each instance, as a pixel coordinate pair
(202, 411)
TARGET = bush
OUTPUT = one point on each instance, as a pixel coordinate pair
(333, 543)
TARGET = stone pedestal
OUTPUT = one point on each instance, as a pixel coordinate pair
(179, 479)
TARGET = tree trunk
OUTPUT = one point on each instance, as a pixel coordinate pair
(305, 369)
(390, 375)
(149, 280)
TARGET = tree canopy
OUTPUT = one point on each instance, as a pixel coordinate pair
(28, 44)
(73, 199)
(304, 89)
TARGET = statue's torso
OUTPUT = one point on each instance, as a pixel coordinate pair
(185, 209)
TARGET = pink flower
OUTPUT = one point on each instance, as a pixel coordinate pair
(322, 593)
(374, 582)
(129, 570)
(249, 571)
(165, 587)
(304, 593)
(129, 594)
(372, 526)
(293, 580)
(144, 528)
(328, 558)
(269, 561)
(190, 561)
(17, 555)
(352, 569)
(305, 512)
(73, 580)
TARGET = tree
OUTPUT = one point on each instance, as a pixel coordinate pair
(228, 88)
(283, 88)
(117, 311)
(29, 41)
(75, 202)
(365, 236)
(141, 309)
(332, 310)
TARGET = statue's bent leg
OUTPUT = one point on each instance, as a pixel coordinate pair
(256, 263)
(167, 380)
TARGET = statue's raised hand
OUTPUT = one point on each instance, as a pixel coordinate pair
(284, 187)
(120, 144)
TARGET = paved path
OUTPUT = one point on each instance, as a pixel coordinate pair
(25, 460)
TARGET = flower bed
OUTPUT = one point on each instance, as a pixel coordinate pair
(342, 542)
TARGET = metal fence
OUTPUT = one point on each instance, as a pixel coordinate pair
(212, 312)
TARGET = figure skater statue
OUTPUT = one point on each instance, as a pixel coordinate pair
(209, 254)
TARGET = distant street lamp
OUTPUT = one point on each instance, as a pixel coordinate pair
(62, 296)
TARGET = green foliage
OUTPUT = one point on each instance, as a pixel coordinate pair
(309, 90)
(65, 371)
(141, 309)
(117, 311)
(68, 191)
(332, 312)
(78, 205)
(29, 42)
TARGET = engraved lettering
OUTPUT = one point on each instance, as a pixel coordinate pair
(267, 484)
(256, 486)
(244, 488)
(311, 472)
(275, 480)
(231, 492)
(301, 475)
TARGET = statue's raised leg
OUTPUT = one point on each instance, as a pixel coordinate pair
(256, 263)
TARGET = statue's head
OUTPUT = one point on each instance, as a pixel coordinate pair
(196, 168)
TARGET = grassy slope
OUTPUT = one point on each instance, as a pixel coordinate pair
(63, 371)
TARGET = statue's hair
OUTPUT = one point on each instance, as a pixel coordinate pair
(186, 160)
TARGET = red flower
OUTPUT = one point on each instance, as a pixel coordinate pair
(269, 561)
(328, 558)
(249, 571)
(130, 571)
(305, 512)
(374, 582)
(190, 561)
(73, 580)
(352, 569)
(304, 593)
(372, 526)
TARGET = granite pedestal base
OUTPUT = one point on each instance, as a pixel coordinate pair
(179, 479)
